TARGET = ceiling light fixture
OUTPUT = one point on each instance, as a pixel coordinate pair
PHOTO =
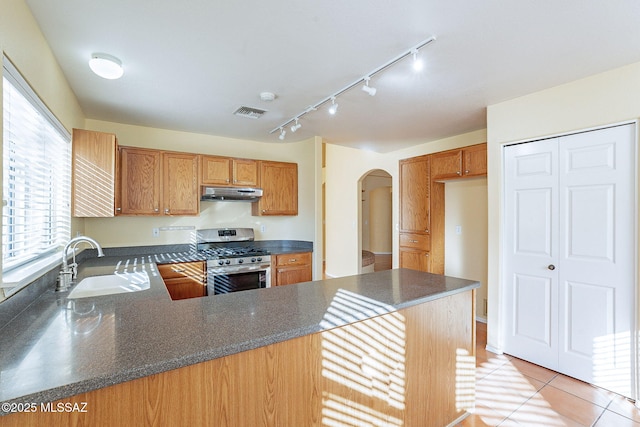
(106, 66)
(282, 134)
(413, 51)
(417, 62)
(296, 126)
(334, 107)
(370, 90)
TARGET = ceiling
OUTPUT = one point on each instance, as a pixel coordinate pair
(190, 65)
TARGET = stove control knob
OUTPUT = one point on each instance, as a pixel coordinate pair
(220, 262)
(227, 262)
(253, 260)
(240, 261)
(259, 259)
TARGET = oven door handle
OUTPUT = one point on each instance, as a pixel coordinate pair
(237, 269)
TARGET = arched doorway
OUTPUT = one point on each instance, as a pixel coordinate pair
(375, 221)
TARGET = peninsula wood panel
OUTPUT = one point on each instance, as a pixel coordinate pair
(94, 172)
(309, 381)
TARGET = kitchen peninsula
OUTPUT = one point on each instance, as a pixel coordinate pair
(395, 346)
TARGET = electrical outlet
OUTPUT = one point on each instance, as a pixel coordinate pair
(155, 232)
(458, 229)
(263, 228)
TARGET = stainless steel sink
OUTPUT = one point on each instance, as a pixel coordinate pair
(117, 283)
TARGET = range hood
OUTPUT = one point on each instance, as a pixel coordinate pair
(231, 194)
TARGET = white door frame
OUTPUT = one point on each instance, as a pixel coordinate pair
(634, 333)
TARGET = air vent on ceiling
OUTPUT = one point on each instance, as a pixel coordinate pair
(250, 112)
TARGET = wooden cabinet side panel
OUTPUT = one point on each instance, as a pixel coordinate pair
(140, 172)
(299, 381)
(180, 184)
(437, 227)
(414, 194)
(93, 181)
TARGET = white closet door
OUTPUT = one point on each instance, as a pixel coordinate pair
(531, 285)
(597, 256)
(570, 254)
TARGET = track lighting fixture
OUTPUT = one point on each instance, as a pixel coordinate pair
(334, 107)
(417, 62)
(370, 90)
(417, 65)
(282, 134)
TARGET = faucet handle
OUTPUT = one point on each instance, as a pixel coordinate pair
(74, 270)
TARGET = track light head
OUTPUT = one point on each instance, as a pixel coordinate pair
(282, 134)
(296, 126)
(334, 107)
(417, 62)
(370, 90)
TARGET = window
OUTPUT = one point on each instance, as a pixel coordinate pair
(36, 219)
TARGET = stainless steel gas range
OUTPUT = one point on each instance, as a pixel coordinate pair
(233, 262)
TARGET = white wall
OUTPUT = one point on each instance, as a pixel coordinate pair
(345, 167)
(602, 99)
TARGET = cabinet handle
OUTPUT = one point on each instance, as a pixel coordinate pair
(264, 210)
(227, 180)
(166, 211)
(178, 270)
(293, 260)
(426, 231)
(118, 209)
(466, 172)
(551, 267)
(413, 241)
(156, 209)
(426, 254)
(458, 173)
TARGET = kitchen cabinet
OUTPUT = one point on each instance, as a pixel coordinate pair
(184, 279)
(461, 163)
(180, 190)
(414, 194)
(227, 171)
(94, 174)
(279, 183)
(140, 181)
(421, 237)
(291, 268)
(154, 182)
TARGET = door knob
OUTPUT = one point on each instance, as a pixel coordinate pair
(551, 267)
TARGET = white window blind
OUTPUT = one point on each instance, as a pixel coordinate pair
(36, 218)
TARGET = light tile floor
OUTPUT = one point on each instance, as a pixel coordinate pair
(512, 392)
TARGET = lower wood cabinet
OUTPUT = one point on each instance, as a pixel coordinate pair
(415, 259)
(288, 269)
(184, 279)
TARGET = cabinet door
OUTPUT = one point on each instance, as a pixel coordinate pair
(245, 173)
(446, 165)
(415, 259)
(279, 182)
(216, 170)
(184, 279)
(180, 184)
(292, 275)
(139, 181)
(94, 167)
(475, 160)
(414, 194)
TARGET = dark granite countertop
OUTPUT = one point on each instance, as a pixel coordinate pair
(58, 347)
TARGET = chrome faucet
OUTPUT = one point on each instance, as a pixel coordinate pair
(69, 272)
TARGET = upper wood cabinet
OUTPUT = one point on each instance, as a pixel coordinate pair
(140, 180)
(94, 174)
(414, 194)
(154, 182)
(465, 162)
(225, 171)
(279, 182)
(180, 190)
